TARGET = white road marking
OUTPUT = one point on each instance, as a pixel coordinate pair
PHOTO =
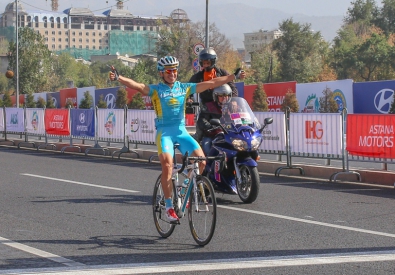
(309, 221)
(207, 265)
(81, 183)
(39, 252)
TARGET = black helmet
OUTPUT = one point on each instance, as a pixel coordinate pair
(208, 54)
(222, 90)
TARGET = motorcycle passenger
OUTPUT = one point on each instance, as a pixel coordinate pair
(213, 109)
(169, 101)
(207, 61)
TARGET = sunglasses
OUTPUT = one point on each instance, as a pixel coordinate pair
(223, 95)
(170, 71)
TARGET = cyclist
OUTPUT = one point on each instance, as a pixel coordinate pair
(213, 109)
(207, 61)
(169, 100)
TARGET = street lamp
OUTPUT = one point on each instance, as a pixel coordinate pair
(207, 41)
(17, 55)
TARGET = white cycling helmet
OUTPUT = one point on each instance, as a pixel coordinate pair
(167, 62)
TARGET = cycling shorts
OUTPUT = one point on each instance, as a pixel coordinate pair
(167, 136)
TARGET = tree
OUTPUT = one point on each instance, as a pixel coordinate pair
(34, 61)
(328, 103)
(69, 104)
(50, 104)
(290, 101)
(300, 52)
(30, 101)
(102, 104)
(137, 102)
(41, 102)
(7, 102)
(87, 101)
(259, 99)
(122, 98)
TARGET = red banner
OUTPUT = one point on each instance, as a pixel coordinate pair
(275, 93)
(371, 135)
(66, 95)
(57, 122)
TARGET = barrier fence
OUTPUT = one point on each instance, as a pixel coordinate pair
(344, 137)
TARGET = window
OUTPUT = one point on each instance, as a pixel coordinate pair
(80, 40)
(53, 46)
(46, 32)
(53, 39)
(73, 33)
(80, 33)
(60, 47)
(60, 39)
(59, 32)
(73, 39)
(87, 47)
(80, 46)
(94, 40)
(87, 33)
(87, 40)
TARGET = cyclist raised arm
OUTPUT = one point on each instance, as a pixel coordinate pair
(169, 101)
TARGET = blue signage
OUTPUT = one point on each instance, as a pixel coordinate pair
(240, 88)
(82, 122)
(109, 95)
(373, 97)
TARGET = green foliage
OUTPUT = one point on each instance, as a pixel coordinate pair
(87, 101)
(29, 103)
(7, 102)
(290, 101)
(137, 102)
(34, 61)
(50, 104)
(300, 52)
(101, 104)
(69, 104)
(328, 103)
(41, 102)
(122, 98)
(145, 71)
(259, 99)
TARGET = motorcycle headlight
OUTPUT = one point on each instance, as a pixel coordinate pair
(255, 143)
(239, 144)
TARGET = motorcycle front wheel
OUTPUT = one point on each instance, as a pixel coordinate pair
(248, 187)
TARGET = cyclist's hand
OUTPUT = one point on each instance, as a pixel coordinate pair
(239, 74)
(113, 74)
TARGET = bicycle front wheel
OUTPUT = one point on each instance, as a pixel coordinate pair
(164, 227)
(202, 211)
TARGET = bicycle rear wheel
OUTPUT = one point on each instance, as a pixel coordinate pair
(164, 227)
(202, 211)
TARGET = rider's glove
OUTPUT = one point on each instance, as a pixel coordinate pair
(237, 73)
(115, 72)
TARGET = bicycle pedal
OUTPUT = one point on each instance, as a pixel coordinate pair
(175, 222)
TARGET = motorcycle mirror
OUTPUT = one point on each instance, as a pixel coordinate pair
(216, 122)
(267, 121)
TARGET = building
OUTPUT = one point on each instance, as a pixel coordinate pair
(256, 40)
(82, 33)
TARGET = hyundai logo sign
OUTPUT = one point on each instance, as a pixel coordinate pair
(383, 100)
(110, 100)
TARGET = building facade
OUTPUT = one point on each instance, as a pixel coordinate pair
(256, 40)
(79, 30)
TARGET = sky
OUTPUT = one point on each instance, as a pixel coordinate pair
(153, 7)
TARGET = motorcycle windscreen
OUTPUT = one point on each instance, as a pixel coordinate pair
(238, 113)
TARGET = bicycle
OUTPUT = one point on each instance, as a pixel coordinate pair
(199, 199)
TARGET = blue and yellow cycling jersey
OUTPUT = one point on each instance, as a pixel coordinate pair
(169, 103)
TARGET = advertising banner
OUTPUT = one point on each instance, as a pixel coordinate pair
(1, 119)
(21, 100)
(57, 122)
(81, 94)
(82, 122)
(371, 135)
(373, 97)
(69, 94)
(147, 99)
(110, 123)
(275, 93)
(309, 94)
(55, 97)
(240, 88)
(15, 120)
(315, 133)
(35, 121)
(140, 126)
(273, 134)
(109, 95)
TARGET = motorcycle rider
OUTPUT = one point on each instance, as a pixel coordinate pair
(213, 109)
(207, 61)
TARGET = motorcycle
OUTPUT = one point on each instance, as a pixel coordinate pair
(239, 138)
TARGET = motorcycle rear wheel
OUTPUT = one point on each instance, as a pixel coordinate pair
(248, 188)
